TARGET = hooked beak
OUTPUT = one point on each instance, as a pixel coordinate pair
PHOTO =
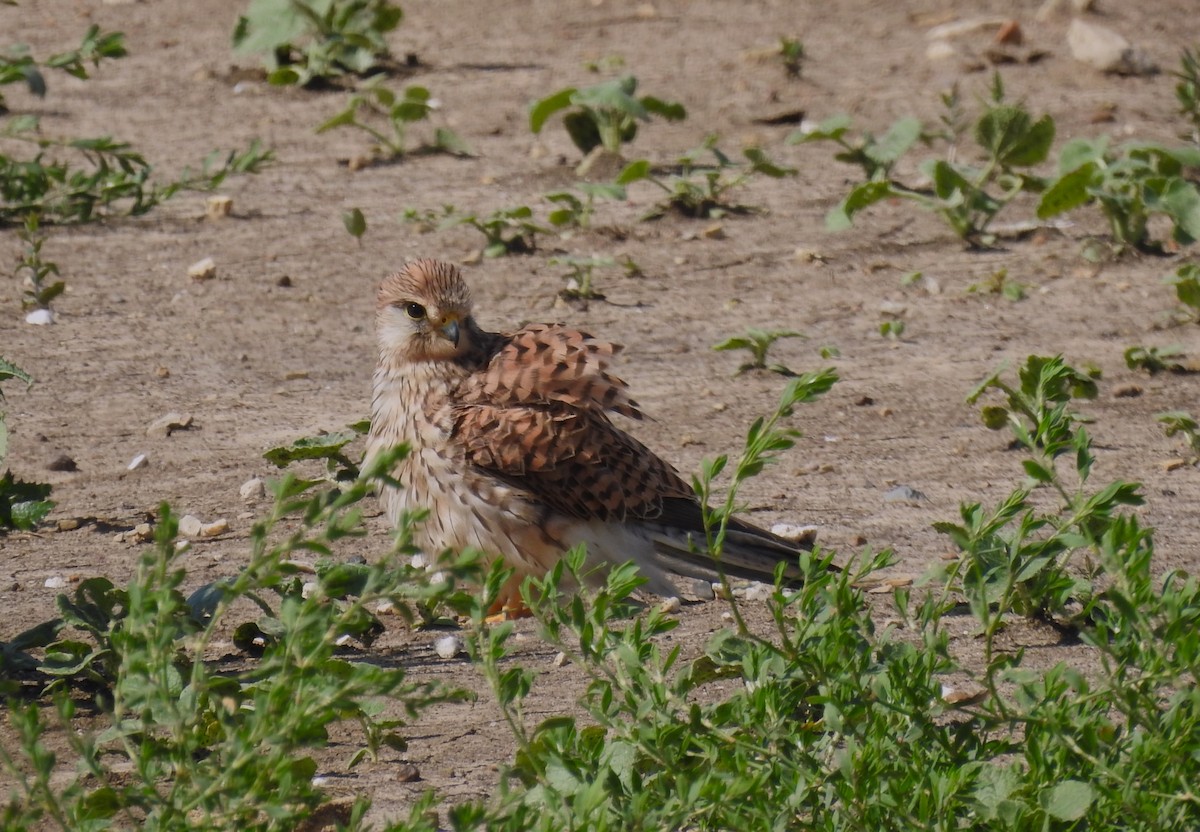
(450, 331)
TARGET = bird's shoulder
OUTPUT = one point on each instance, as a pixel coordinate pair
(546, 365)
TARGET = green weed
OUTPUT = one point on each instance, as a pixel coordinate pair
(604, 115)
(579, 276)
(967, 195)
(17, 65)
(1138, 181)
(190, 743)
(698, 190)
(310, 41)
(1155, 359)
(1182, 424)
(574, 211)
(374, 104)
(505, 230)
(758, 343)
(22, 504)
(1187, 93)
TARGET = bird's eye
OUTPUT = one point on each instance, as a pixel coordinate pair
(414, 310)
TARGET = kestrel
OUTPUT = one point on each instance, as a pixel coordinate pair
(513, 450)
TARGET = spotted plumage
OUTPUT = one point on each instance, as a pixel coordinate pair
(513, 447)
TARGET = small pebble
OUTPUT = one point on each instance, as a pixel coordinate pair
(904, 494)
(795, 533)
(205, 269)
(190, 525)
(308, 589)
(40, 317)
(408, 773)
(560, 659)
(68, 524)
(137, 462)
(757, 592)
(56, 582)
(670, 605)
(218, 207)
(448, 646)
(164, 426)
(143, 531)
(343, 640)
(216, 527)
(703, 590)
(385, 607)
(253, 489)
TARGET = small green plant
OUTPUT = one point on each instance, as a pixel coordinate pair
(579, 276)
(968, 196)
(1155, 359)
(194, 744)
(1017, 558)
(572, 211)
(22, 504)
(1131, 184)
(605, 115)
(997, 283)
(327, 446)
(17, 65)
(1182, 424)
(505, 230)
(758, 342)
(701, 191)
(1186, 280)
(314, 41)
(791, 55)
(112, 177)
(892, 329)
(39, 290)
(375, 104)
(1187, 93)
(355, 223)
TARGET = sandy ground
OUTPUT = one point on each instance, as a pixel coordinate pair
(257, 363)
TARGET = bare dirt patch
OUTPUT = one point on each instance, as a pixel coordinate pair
(258, 363)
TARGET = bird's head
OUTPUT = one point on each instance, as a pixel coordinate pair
(424, 313)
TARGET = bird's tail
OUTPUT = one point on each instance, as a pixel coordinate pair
(748, 552)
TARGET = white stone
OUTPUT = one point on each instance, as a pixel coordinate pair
(216, 527)
(137, 462)
(56, 582)
(560, 659)
(40, 317)
(795, 533)
(447, 646)
(205, 269)
(671, 605)
(308, 589)
(190, 525)
(253, 489)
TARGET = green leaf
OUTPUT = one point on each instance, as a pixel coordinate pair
(863, 196)
(1181, 200)
(670, 110)
(1007, 134)
(342, 119)
(760, 163)
(634, 171)
(355, 223)
(831, 129)
(1068, 192)
(1080, 152)
(447, 140)
(1069, 800)
(548, 106)
(895, 142)
(310, 447)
